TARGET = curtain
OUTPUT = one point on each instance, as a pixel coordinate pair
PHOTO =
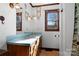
(75, 46)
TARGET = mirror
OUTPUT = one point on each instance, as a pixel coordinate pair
(52, 20)
(19, 21)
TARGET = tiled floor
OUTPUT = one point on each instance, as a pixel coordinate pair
(49, 53)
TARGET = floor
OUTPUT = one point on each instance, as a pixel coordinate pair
(43, 52)
(49, 53)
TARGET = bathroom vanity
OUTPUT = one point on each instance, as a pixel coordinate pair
(28, 46)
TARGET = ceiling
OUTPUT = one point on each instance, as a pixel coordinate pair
(42, 4)
(34, 4)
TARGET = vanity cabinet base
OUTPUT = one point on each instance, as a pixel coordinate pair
(18, 50)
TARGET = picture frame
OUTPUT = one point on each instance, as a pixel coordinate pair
(52, 20)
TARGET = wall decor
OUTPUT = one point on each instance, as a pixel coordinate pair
(11, 5)
(2, 19)
(19, 21)
(52, 20)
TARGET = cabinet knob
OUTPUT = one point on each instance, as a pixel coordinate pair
(55, 35)
(58, 35)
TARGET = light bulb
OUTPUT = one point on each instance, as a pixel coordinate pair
(29, 18)
(17, 6)
(34, 18)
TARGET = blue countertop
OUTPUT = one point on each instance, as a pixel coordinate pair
(25, 39)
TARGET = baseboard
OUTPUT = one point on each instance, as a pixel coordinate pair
(50, 48)
(67, 52)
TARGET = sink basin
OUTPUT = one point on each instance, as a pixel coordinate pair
(26, 41)
(26, 38)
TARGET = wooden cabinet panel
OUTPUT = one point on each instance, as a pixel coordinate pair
(17, 50)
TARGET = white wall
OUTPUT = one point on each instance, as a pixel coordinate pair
(9, 27)
(38, 25)
(64, 42)
(67, 29)
(24, 16)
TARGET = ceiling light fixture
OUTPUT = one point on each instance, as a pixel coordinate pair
(15, 5)
(34, 16)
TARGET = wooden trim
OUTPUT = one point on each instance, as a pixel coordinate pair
(49, 11)
(44, 5)
(50, 48)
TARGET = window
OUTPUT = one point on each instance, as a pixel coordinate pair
(19, 21)
(52, 20)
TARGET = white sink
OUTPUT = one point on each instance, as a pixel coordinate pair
(27, 41)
